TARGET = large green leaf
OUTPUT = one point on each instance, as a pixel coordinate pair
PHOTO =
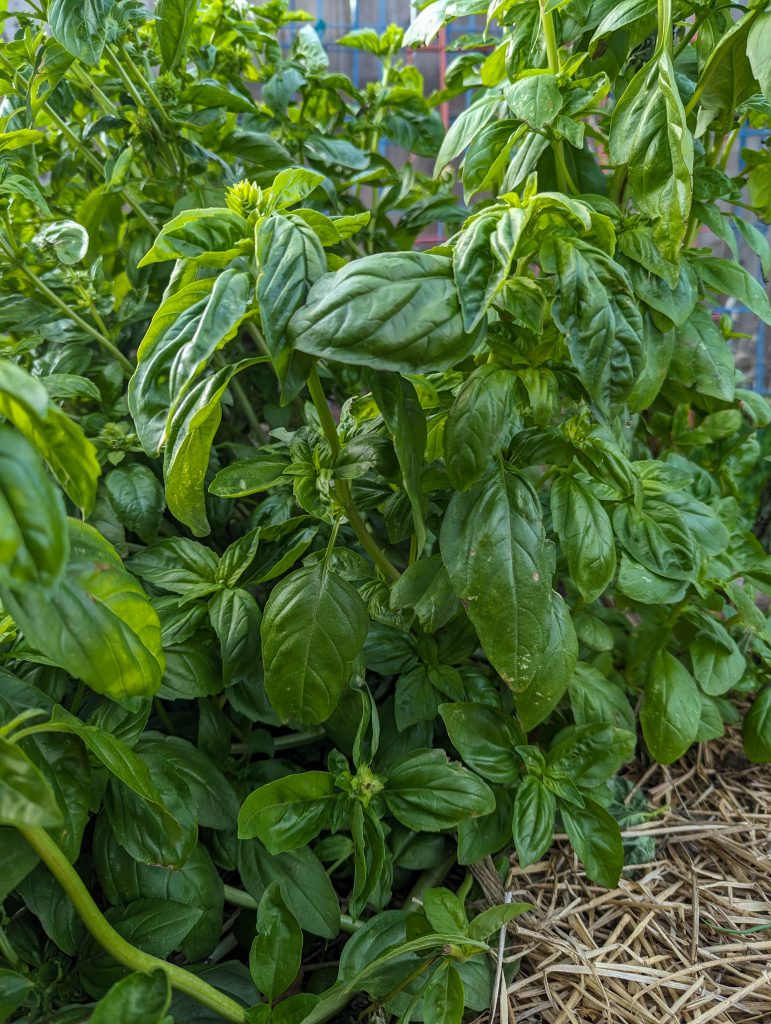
(597, 310)
(211, 236)
(500, 565)
(276, 953)
(671, 708)
(313, 628)
(649, 133)
(192, 424)
(136, 999)
(552, 677)
(25, 796)
(479, 424)
(289, 812)
(585, 534)
(98, 624)
(187, 329)
(595, 836)
(290, 259)
(399, 405)
(392, 311)
(173, 23)
(33, 524)
(485, 737)
(428, 793)
(533, 823)
(80, 26)
(756, 728)
(24, 402)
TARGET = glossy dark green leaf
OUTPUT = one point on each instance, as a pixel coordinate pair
(425, 587)
(71, 456)
(552, 677)
(728, 278)
(649, 133)
(175, 326)
(99, 624)
(499, 562)
(289, 812)
(34, 542)
(305, 886)
(276, 952)
(478, 424)
(533, 822)
(658, 538)
(290, 259)
(392, 311)
(597, 311)
(25, 796)
(490, 921)
(426, 792)
(756, 728)
(485, 738)
(671, 708)
(14, 990)
(399, 405)
(443, 997)
(586, 536)
(137, 497)
(136, 999)
(192, 425)
(595, 836)
(313, 628)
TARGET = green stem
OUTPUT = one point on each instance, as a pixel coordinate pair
(341, 486)
(115, 944)
(564, 183)
(664, 11)
(239, 898)
(429, 879)
(60, 304)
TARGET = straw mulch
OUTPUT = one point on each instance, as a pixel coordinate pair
(684, 939)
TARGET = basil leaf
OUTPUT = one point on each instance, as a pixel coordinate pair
(428, 793)
(595, 836)
(33, 526)
(313, 628)
(174, 22)
(499, 562)
(98, 624)
(80, 26)
(671, 708)
(289, 812)
(276, 952)
(756, 729)
(552, 677)
(478, 425)
(199, 234)
(585, 534)
(136, 999)
(597, 312)
(409, 304)
(25, 796)
(533, 824)
(443, 997)
(485, 738)
(649, 132)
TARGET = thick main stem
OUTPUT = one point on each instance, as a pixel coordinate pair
(115, 944)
